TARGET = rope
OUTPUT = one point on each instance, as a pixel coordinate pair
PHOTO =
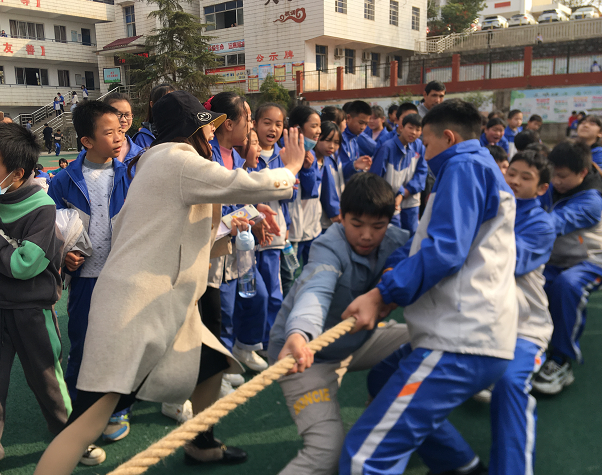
(206, 419)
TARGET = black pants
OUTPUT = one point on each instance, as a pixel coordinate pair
(210, 308)
(48, 144)
(33, 335)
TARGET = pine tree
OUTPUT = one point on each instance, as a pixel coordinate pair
(456, 16)
(271, 91)
(178, 52)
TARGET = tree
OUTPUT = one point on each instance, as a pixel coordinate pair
(178, 53)
(478, 99)
(271, 91)
(405, 96)
(456, 16)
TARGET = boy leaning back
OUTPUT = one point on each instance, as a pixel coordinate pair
(30, 283)
(457, 286)
(343, 263)
(574, 270)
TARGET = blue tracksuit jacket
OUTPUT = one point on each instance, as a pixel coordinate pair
(330, 197)
(349, 152)
(509, 134)
(502, 143)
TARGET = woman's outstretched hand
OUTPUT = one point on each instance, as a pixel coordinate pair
(293, 153)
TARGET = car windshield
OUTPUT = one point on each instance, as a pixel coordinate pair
(586, 9)
(517, 16)
(549, 11)
(490, 18)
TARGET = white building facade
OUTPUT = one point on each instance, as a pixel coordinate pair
(47, 47)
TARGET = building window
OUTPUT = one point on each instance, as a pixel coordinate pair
(2, 75)
(375, 63)
(340, 6)
(22, 29)
(60, 34)
(130, 21)
(321, 58)
(349, 61)
(394, 13)
(234, 59)
(64, 78)
(32, 76)
(224, 15)
(369, 9)
(416, 18)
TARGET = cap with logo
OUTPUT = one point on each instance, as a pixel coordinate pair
(180, 114)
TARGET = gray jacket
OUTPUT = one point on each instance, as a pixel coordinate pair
(332, 279)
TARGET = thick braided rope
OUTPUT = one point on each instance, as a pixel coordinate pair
(204, 420)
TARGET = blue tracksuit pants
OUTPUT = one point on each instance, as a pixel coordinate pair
(568, 292)
(248, 318)
(228, 292)
(514, 413)
(268, 265)
(78, 307)
(409, 219)
(413, 404)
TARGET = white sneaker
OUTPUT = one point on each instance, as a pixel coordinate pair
(250, 359)
(178, 412)
(235, 379)
(93, 456)
(484, 395)
(552, 377)
(225, 389)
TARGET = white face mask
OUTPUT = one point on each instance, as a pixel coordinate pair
(4, 190)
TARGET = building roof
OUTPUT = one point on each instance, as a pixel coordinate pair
(120, 43)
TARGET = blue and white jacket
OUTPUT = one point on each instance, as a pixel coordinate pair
(404, 168)
(144, 137)
(502, 143)
(306, 210)
(535, 236)
(458, 283)
(597, 154)
(384, 136)
(224, 268)
(281, 207)
(330, 194)
(69, 190)
(334, 276)
(133, 152)
(577, 218)
(509, 134)
(349, 152)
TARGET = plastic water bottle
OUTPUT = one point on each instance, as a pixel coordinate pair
(289, 256)
(245, 255)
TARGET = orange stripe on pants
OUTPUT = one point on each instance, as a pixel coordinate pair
(409, 389)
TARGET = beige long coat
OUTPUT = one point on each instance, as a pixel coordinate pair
(144, 326)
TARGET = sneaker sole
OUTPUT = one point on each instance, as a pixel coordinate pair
(553, 389)
(93, 462)
(115, 436)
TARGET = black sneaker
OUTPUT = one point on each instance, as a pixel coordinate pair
(207, 449)
(553, 377)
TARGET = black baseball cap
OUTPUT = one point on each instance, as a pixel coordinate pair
(180, 114)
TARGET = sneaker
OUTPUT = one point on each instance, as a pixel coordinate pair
(118, 426)
(225, 389)
(93, 456)
(553, 377)
(178, 412)
(484, 396)
(250, 359)
(235, 379)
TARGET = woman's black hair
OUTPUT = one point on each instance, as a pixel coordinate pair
(539, 161)
(300, 115)
(495, 121)
(333, 114)
(328, 127)
(263, 108)
(157, 93)
(229, 103)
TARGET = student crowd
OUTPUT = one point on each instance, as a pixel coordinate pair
(490, 242)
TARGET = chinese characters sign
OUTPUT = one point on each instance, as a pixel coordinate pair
(274, 56)
(29, 49)
(298, 16)
(226, 47)
(111, 75)
(228, 74)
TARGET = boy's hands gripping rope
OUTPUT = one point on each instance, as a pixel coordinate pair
(368, 310)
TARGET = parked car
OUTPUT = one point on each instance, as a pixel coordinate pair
(585, 13)
(522, 19)
(549, 16)
(495, 21)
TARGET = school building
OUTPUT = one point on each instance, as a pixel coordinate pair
(257, 38)
(46, 47)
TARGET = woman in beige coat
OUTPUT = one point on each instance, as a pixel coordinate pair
(145, 333)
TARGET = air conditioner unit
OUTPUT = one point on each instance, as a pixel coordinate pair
(339, 52)
(366, 56)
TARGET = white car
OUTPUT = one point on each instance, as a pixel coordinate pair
(549, 16)
(495, 21)
(585, 13)
(522, 19)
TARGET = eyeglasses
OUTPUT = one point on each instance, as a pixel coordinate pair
(127, 116)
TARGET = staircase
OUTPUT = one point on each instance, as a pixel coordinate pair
(438, 44)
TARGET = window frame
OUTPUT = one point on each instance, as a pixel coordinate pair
(370, 10)
(130, 26)
(26, 26)
(394, 12)
(340, 6)
(375, 64)
(415, 19)
(63, 75)
(349, 61)
(323, 56)
(211, 13)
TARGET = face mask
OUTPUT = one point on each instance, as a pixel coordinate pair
(309, 144)
(4, 190)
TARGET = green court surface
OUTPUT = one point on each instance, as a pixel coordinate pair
(51, 161)
(569, 440)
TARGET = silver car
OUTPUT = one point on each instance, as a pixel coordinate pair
(585, 13)
(549, 16)
(495, 21)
